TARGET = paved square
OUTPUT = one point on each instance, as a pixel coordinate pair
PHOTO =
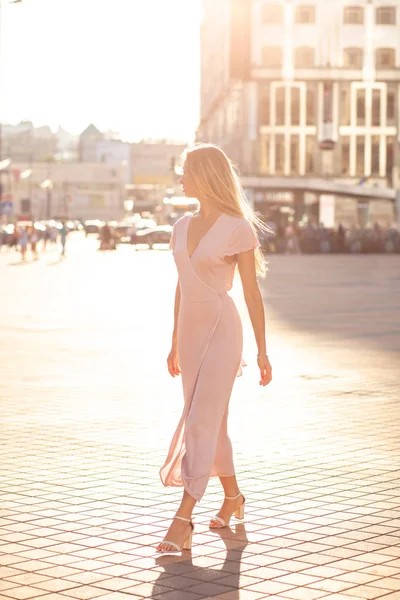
(88, 410)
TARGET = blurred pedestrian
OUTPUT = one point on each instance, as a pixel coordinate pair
(23, 238)
(63, 237)
(292, 239)
(341, 238)
(106, 237)
(33, 238)
(45, 237)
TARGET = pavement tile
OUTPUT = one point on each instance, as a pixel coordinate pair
(24, 592)
(82, 504)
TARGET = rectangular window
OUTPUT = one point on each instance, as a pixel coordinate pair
(360, 108)
(304, 13)
(328, 102)
(376, 107)
(309, 154)
(294, 154)
(295, 106)
(279, 153)
(272, 56)
(345, 155)
(389, 159)
(280, 106)
(310, 107)
(265, 106)
(386, 15)
(391, 106)
(375, 155)
(385, 58)
(353, 15)
(344, 108)
(272, 14)
(360, 155)
(353, 58)
(266, 140)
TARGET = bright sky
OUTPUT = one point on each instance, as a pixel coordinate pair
(131, 66)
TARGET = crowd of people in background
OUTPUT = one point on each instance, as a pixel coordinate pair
(27, 238)
(314, 238)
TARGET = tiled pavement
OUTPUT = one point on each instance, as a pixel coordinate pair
(87, 411)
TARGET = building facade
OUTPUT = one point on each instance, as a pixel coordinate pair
(319, 95)
(72, 190)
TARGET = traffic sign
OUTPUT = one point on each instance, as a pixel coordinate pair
(6, 207)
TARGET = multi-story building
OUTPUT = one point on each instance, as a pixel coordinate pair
(304, 89)
(73, 190)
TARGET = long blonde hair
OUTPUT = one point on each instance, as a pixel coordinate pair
(217, 180)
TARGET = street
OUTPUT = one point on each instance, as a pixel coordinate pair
(88, 411)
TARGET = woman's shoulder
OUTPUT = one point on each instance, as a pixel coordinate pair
(181, 220)
(238, 223)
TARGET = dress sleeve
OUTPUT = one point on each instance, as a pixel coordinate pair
(243, 238)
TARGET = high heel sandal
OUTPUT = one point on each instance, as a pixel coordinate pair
(239, 513)
(187, 544)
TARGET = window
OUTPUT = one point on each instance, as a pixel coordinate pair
(295, 106)
(294, 154)
(389, 159)
(265, 107)
(375, 155)
(279, 153)
(353, 15)
(360, 107)
(280, 106)
(385, 58)
(309, 154)
(391, 105)
(272, 14)
(386, 15)
(310, 107)
(353, 58)
(304, 57)
(344, 107)
(360, 164)
(266, 141)
(328, 102)
(305, 13)
(345, 155)
(376, 107)
(272, 56)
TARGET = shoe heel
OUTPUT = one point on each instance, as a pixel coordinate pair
(239, 512)
(187, 545)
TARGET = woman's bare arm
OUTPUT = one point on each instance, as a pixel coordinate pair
(173, 359)
(176, 314)
(254, 303)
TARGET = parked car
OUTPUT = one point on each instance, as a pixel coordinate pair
(160, 234)
(92, 226)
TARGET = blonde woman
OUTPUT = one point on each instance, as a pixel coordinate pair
(207, 337)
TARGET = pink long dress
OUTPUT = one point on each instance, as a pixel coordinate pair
(210, 342)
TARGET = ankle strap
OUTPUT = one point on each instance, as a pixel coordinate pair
(183, 519)
(235, 498)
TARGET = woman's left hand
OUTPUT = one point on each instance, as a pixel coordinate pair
(265, 370)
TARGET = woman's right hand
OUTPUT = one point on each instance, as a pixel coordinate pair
(173, 363)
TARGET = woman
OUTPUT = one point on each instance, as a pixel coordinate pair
(207, 338)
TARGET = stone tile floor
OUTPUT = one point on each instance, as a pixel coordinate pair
(88, 409)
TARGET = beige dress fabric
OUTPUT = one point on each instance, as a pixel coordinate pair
(210, 343)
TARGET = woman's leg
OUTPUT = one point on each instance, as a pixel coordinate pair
(231, 489)
(179, 530)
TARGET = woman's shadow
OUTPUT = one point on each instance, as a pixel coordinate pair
(181, 576)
